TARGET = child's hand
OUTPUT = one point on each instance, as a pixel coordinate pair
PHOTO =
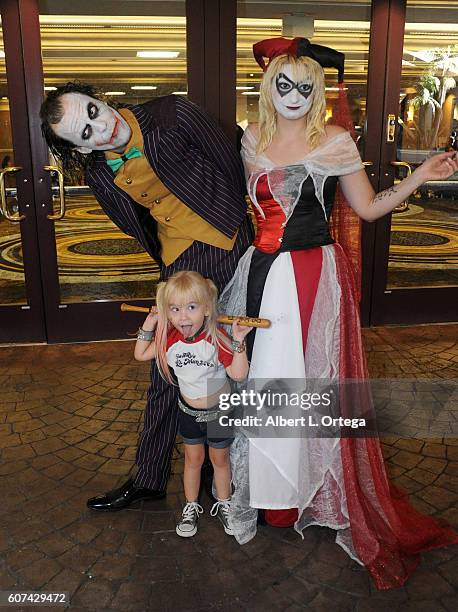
(151, 320)
(239, 332)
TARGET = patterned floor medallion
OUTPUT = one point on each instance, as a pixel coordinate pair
(94, 257)
(424, 245)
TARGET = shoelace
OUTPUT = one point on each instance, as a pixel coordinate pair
(224, 504)
(190, 509)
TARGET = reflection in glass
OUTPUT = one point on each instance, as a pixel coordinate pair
(132, 58)
(12, 279)
(424, 232)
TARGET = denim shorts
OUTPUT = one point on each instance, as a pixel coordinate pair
(196, 433)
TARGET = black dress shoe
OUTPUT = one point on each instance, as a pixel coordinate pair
(123, 497)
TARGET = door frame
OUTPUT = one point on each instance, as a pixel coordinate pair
(22, 323)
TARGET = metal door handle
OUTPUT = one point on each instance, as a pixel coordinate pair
(61, 213)
(390, 127)
(402, 164)
(3, 204)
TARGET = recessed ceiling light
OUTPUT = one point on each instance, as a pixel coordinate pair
(159, 54)
(2, 53)
(50, 88)
(115, 93)
(143, 87)
(180, 93)
(245, 87)
(250, 93)
(251, 74)
(334, 88)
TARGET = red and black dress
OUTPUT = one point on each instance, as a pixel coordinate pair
(296, 275)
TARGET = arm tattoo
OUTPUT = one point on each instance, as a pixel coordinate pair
(385, 194)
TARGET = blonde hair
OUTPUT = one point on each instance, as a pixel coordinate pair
(304, 69)
(181, 287)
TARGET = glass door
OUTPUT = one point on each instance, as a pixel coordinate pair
(62, 260)
(416, 271)
(131, 52)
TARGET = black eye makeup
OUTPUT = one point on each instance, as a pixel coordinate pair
(92, 112)
(305, 89)
(87, 133)
(285, 85)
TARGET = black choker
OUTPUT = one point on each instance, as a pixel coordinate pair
(192, 338)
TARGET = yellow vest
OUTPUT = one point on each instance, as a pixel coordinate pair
(177, 225)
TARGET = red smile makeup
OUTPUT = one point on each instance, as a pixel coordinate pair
(115, 130)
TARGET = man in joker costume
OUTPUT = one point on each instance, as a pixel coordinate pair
(168, 176)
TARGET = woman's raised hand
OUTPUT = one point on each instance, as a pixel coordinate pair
(439, 167)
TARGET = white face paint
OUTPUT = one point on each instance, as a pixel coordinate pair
(291, 99)
(91, 125)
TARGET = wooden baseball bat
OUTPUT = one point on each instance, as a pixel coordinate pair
(224, 319)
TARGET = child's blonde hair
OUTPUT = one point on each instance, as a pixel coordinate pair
(304, 69)
(184, 287)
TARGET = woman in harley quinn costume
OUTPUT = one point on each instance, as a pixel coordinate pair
(301, 273)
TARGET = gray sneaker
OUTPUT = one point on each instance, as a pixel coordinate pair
(187, 527)
(221, 510)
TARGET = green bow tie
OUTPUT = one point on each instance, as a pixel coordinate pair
(115, 164)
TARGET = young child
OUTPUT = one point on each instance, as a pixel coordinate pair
(188, 341)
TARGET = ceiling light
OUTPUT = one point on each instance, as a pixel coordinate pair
(2, 53)
(180, 93)
(50, 88)
(115, 93)
(159, 54)
(143, 87)
(245, 87)
(250, 93)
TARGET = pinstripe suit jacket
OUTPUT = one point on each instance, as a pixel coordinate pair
(191, 156)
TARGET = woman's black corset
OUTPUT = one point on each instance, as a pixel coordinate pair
(307, 226)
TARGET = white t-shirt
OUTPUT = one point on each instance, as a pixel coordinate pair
(195, 363)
